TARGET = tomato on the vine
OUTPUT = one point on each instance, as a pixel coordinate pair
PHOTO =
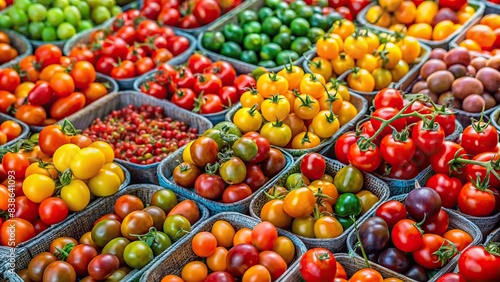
(318, 265)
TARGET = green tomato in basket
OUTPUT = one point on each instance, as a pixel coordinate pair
(300, 26)
(286, 16)
(84, 25)
(161, 243)
(264, 38)
(348, 180)
(65, 31)
(245, 148)
(231, 49)
(283, 39)
(233, 171)
(315, 33)
(271, 26)
(164, 199)
(116, 247)
(84, 9)
(252, 42)
(269, 51)
(72, 15)
(55, 16)
(36, 29)
(247, 16)
(93, 3)
(22, 4)
(348, 204)
(37, 12)
(305, 12)
(215, 135)
(100, 14)
(61, 4)
(23, 29)
(49, 33)
(18, 16)
(213, 40)
(176, 227)
(273, 4)
(318, 20)
(304, 226)
(229, 127)
(249, 56)
(138, 254)
(264, 13)
(5, 21)
(283, 6)
(46, 3)
(105, 231)
(296, 180)
(346, 222)
(108, 3)
(285, 56)
(252, 27)
(233, 32)
(297, 5)
(333, 17)
(300, 45)
(116, 10)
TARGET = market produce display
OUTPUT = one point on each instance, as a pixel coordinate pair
(56, 20)
(454, 77)
(428, 20)
(118, 242)
(132, 46)
(272, 36)
(482, 37)
(46, 87)
(200, 85)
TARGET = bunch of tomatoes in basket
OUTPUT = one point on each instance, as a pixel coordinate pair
(256, 254)
(427, 20)
(141, 135)
(47, 86)
(373, 64)
(52, 179)
(118, 242)
(131, 47)
(187, 14)
(7, 51)
(317, 205)
(223, 165)
(9, 130)
(484, 37)
(418, 230)
(294, 110)
(398, 140)
(200, 85)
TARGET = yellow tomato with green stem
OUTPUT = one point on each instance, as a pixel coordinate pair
(312, 84)
(331, 100)
(251, 97)
(390, 54)
(382, 77)
(305, 140)
(325, 124)
(321, 66)
(410, 48)
(327, 47)
(87, 163)
(248, 119)
(271, 84)
(275, 108)
(306, 107)
(277, 133)
(64, 155)
(367, 62)
(355, 46)
(342, 63)
(292, 74)
(343, 28)
(361, 80)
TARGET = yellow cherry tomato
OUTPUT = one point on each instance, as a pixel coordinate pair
(47, 169)
(368, 200)
(325, 124)
(105, 183)
(321, 66)
(420, 30)
(378, 16)
(410, 48)
(295, 123)
(306, 106)
(116, 169)
(312, 84)
(361, 80)
(277, 133)
(367, 62)
(248, 119)
(383, 78)
(340, 40)
(186, 155)
(442, 30)
(38, 187)
(343, 28)
(355, 46)
(400, 70)
(342, 63)
(305, 140)
(398, 27)
(347, 113)
(285, 248)
(293, 75)
(290, 96)
(406, 12)
(426, 12)
(106, 149)
(275, 108)
(271, 84)
(76, 195)
(344, 92)
(327, 47)
(327, 227)
(330, 100)
(87, 163)
(64, 155)
(390, 54)
(23, 89)
(372, 40)
(390, 5)
(465, 14)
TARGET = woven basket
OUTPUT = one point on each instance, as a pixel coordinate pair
(214, 118)
(166, 168)
(172, 261)
(359, 103)
(99, 78)
(24, 133)
(239, 66)
(351, 266)
(84, 222)
(494, 117)
(128, 83)
(101, 108)
(486, 224)
(8, 270)
(494, 236)
(456, 221)
(403, 83)
(477, 5)
(491, 8)
(20, 43)
(371, 183)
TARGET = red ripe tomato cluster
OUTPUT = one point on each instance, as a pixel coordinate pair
(412, 237)
(403, 147)
(200, 85)
(228, 171)
(131, 47)
(186, 14)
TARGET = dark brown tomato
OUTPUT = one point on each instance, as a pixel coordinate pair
(23, 274)
(188, 209)
(274, 163)
(116, 247)
(137, 222)
(185, 174)
(204, 151)
(38, 265)
(103, 266)
(117, 276)
(108, 216)
(59, 271)
(80, 258)
(158, 216)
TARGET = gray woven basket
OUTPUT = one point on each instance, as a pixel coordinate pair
(99, 78)
(477, 5)
(456, 221)
(486, 224)
(20, 43)
(371, 183)
(214, 118)
(494, 236)
(359, 103)
(173, 260)
(128, 83)
(8, 268)
(104, 106)
(84, 222)
(494, 117)
(351, 266)
(239, 66)
(24, 133)
(165, 178)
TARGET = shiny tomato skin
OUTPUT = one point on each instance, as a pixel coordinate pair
(318, 265)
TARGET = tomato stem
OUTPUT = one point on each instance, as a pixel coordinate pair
(478, 125)
(64, 253)
(446, 252)
(356, 230)
(493, 248)
(489, 165)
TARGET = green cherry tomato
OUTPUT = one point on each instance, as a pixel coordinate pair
(215, 134)
(264, 39)
(286, 29)
(267, 64)
(284, 57)
(273, 4)
(55, 16)
(348, 204)
(286, 16)
(297, 5)
(252, 27)
(176, 226)
(233, 32)
(301, 45)
(271, 26)
(84, 25)
(18, 16)
(348, 179)
(22, 4)
(84, 9)
(305, 12)
(37, 12)
(231, 49)
(49, 34)
(315, 33)
(100, 14)
(300, 26)
(318, 20)
(252, 42)
(5, 21)
(283, 6)
(247, 16)
(303, 226)
(283, 39)
(233, 171)
(61, 4)
(333, 17)
(296, 180)
(73, 15)
(269, 51)
(231, 128)
(116, 10)
(138, 254)
(264, 13)
(245, 148)
(65, 31)
(213, 40)
(249, 56)
(161, 243)
(36, 29)
(116, 247)
(105, 231)
(165, 199)
(346, 222)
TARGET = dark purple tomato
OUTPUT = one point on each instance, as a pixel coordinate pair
(423, 203)
(240, 258)
(374, 234)
(418, 273)
(394, 259)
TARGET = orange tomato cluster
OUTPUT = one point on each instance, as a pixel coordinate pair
(7, 52)
(48, 80)
(485, 36)
(9, 130)
(427, 21)
(266, 255)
